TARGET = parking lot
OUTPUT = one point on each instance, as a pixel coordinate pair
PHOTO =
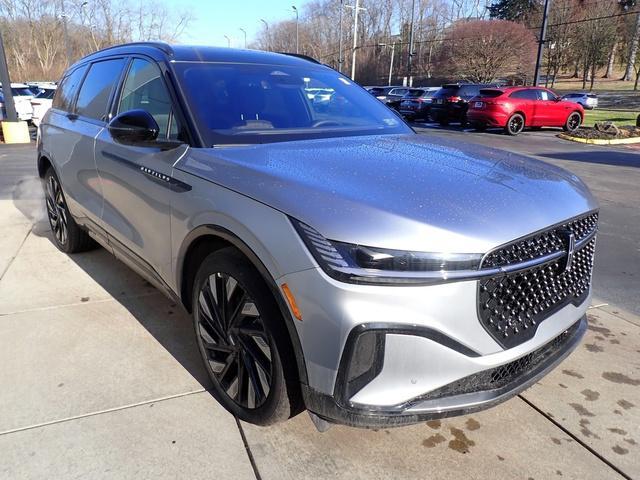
(102, 378)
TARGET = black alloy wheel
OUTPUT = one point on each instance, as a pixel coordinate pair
(233, 335)
(244, 341)
(67, 234)
(515, 124)
(573, 122)
(57, 210)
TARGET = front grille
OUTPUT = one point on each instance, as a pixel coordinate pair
(509, 373)
(511, 306)
(540, 244)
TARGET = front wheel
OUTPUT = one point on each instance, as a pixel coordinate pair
(573, 122)
(242, 339)
(515, 124)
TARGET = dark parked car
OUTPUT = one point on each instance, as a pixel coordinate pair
(515, 108)
(416, 104)
(451, 102)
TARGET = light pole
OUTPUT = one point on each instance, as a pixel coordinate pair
(356, 10)
(297, 28)
(410, 57)
(340, 38)
(543, 34)
(228, 41)
(266, 26)
(65, 29)
(244, 32)
(393, 51)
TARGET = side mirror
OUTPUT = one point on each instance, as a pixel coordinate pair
(134, 127)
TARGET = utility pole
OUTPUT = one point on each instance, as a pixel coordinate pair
(410, 57)
(393, 51)
(266, 26)
(66, 37)
(340, 38)
(297, 28)
(228, 41)
(12, 115)
(541, 41)
(356, 10)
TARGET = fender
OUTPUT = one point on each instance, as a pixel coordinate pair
(230, 237)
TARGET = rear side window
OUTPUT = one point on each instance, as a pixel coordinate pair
(448, 91)
(97, 86)
(144, 89)
(66, 92)
(469, 91)
(525, 95)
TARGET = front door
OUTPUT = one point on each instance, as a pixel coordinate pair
(135, 181)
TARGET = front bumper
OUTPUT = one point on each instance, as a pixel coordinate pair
(466, 395)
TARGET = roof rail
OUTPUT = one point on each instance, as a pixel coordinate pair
(165, 47)
(300, 55)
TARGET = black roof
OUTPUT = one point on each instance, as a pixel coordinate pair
(195, 53)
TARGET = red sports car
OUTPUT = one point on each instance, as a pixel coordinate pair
(514, 108)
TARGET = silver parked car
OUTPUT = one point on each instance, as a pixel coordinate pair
(332, 259)
(589, 101)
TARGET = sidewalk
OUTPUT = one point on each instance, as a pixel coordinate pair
(100, 378)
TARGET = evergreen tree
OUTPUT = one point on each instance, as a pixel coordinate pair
(514, 10)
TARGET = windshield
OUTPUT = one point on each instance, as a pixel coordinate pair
(46, 93)
(414, 93)
(254, 103)
(21, 92)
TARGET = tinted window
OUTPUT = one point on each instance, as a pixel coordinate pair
(414, 93)
(491, 93)
(398, 91)
(469, 90)
(448, 91)
(144, 89)
(63, 98)
(525, 94)
(573, 95)
(21, 92)
(96, 88)
(257, 103)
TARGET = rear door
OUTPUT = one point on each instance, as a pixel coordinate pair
(526, 101)
(88, 120)
(136, 181)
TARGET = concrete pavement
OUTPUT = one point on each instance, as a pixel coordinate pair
(100, 378)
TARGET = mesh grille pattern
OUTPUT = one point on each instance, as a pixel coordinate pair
(541, 244)
(503, 375)
(511, 306)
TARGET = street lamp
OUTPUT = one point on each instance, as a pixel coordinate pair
(65, 29)
(340, 38)
(266, 26)
(393, 51)
(244, 32)
(228, 41)
(297, 28)
(356, 10)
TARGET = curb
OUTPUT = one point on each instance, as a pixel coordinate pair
(598, 141)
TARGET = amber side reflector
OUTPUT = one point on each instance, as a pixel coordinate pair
(292, 301)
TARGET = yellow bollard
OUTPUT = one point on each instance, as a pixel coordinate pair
(15, 132)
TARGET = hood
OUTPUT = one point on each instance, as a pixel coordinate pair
(409, 192)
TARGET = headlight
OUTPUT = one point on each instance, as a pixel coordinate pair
(370, 265)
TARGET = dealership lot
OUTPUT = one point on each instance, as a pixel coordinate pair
(101, 376)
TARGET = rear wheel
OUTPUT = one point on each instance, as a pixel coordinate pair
(242, 339)
(515, 124)
(67, 235)
(573, 122)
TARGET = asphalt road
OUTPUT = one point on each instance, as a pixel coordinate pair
(613, 175)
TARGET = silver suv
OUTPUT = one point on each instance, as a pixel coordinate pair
(332, 259)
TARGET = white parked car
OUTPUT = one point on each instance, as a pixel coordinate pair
(588, 101)
(42, 103)
(23, 107)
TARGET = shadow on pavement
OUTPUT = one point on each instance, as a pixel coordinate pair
(620, 159)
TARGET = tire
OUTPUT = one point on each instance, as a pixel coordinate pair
(573, 122)
(243, 340)
(67, 235)
(515, 124)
